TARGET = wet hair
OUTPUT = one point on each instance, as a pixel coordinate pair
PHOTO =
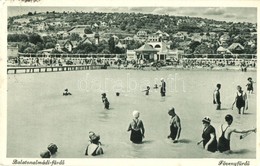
(218, 85)
(228, 118)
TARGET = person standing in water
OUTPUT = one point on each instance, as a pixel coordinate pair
(137, 128)
(208, 136)
(226, 131)
(147, 90)
(94, 147)
(163, 87)
(216, 97)
(240, 100)
(175, 125)
(249, 85)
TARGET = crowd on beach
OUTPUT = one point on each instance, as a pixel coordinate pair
(185, 63)
(209, 139)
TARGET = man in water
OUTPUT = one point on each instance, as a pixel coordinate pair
(163, 87)
(226, 131)
(216, 97)
(175, 125)
(240, 100)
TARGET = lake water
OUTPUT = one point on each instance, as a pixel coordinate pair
(38, 114)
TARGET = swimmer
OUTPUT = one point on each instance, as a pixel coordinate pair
(146, 90)
(227, 130)
(175, 125)
(163, 87)
(137, 128)
(94, 147)
(66, 92)
(105, 101)
(249, 86)
(208, 136)
(155, 86)
(240, 100)
(216, 97)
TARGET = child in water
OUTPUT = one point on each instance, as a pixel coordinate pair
(155, 86)
(66, 92)
(105, 101)
(94, 148)
(137, 129)
(147, 90)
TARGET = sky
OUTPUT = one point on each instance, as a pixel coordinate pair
(230, 14)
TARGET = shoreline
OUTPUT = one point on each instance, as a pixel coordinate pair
(251, 69)
(165, 68)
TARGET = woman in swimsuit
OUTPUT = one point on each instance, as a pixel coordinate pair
(240, 100)
(175, 125)
(137, 128)
(94, 148)
(249, 85)
(209, 136)
(227, 130)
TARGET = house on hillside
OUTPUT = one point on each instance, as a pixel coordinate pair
(179, 36)
(158, 37)
(12, 51)
(236, 48)
(62, 34)
(222, 50)
(70, 45)
(79, 29)
(42, 26)
(153, 38)
(120, 45)
(127, 40)
(142, 35)
(224, 39)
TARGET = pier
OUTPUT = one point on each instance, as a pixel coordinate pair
(39, 69)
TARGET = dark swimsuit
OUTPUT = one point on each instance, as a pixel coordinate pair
(136, 134)
(163, 89)
(240, 101)
(223, 143)
(250, 86)
(217, 97)
(206, 137)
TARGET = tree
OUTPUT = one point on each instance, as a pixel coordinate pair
(50, 45)
(193, 45)
(88, 30)
(30, 14)
(75, 37)
(35, 38)
(30, 50)
(111, 44)
(202, 49)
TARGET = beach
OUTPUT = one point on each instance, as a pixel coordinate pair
(38, 114)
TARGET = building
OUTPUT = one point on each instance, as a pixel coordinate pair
(236, 48)
(146, 52)
(153, 51)
(12, 52)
